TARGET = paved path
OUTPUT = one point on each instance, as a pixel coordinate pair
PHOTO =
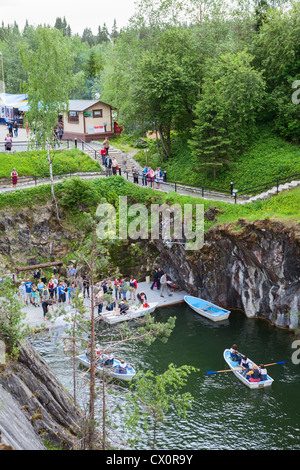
(93, 149)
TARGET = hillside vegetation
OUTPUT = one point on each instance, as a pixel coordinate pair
(77, 197)
(268, 157)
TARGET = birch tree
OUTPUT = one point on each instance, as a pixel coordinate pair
(48, 86)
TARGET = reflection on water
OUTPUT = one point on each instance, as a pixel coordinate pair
(225, 414)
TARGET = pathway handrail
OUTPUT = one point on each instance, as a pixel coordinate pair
(269, 184)
(36, 144)
(90, 148)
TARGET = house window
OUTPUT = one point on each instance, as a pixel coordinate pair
(73, 116)
(97, 113)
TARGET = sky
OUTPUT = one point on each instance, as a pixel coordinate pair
(79, 14)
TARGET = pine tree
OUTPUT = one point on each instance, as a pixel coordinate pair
(210, 144)
(103, 34)
(58, 23)
(114, 32)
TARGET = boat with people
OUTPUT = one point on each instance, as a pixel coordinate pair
(207, 309)
(112, 367)
(243, 376)
(134, 312)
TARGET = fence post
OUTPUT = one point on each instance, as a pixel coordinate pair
(235, 195)
(175, 187)
(277, 186)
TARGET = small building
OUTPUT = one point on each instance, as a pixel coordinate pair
(88, 120)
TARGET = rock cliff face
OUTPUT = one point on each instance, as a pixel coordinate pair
(34, 406)
(26, 234)
(253, 266)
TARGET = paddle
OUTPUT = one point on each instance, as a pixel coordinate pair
(209, 372)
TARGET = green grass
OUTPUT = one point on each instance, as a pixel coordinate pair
(124, 143)
(35, 163)
(269, 157)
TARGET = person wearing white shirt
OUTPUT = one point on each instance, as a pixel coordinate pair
(22, 292)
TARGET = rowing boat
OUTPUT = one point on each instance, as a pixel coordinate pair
(240, 373)
(112, 370)
(207, 309)
(134, 312)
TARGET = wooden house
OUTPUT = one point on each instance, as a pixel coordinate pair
(88, 120)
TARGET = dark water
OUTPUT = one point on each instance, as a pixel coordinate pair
(225, 414)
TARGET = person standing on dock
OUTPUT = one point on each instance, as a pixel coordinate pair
(155, 279)
(133, 288)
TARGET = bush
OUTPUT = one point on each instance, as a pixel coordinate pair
(77, 193)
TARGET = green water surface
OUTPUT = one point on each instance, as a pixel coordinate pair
(225, 413)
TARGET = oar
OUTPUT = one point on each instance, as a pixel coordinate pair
(209, 372)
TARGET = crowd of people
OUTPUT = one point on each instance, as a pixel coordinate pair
(110, 293)
(40, 292)
(148, 176)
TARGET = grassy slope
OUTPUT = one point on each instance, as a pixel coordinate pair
(268, 157)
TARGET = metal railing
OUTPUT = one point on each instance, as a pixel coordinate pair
(16, 144)
(44, 179)
(269, 185)
(85, 146)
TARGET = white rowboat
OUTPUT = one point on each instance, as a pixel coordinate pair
(135, 312)
(240, 374)
(111, 371)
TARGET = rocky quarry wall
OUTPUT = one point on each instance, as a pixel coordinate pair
(253, 266)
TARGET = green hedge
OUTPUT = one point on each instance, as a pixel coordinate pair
(77, 196)
(35, 163)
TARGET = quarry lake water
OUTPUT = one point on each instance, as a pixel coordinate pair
(225, 414)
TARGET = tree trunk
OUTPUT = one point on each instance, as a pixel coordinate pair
(162, 139)
(91, 439)
(169, 141)
(103, 413)
(157, 146)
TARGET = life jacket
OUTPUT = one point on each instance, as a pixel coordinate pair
(254, 375)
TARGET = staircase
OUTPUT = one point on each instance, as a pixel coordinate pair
(113, 152)
(271, 192)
